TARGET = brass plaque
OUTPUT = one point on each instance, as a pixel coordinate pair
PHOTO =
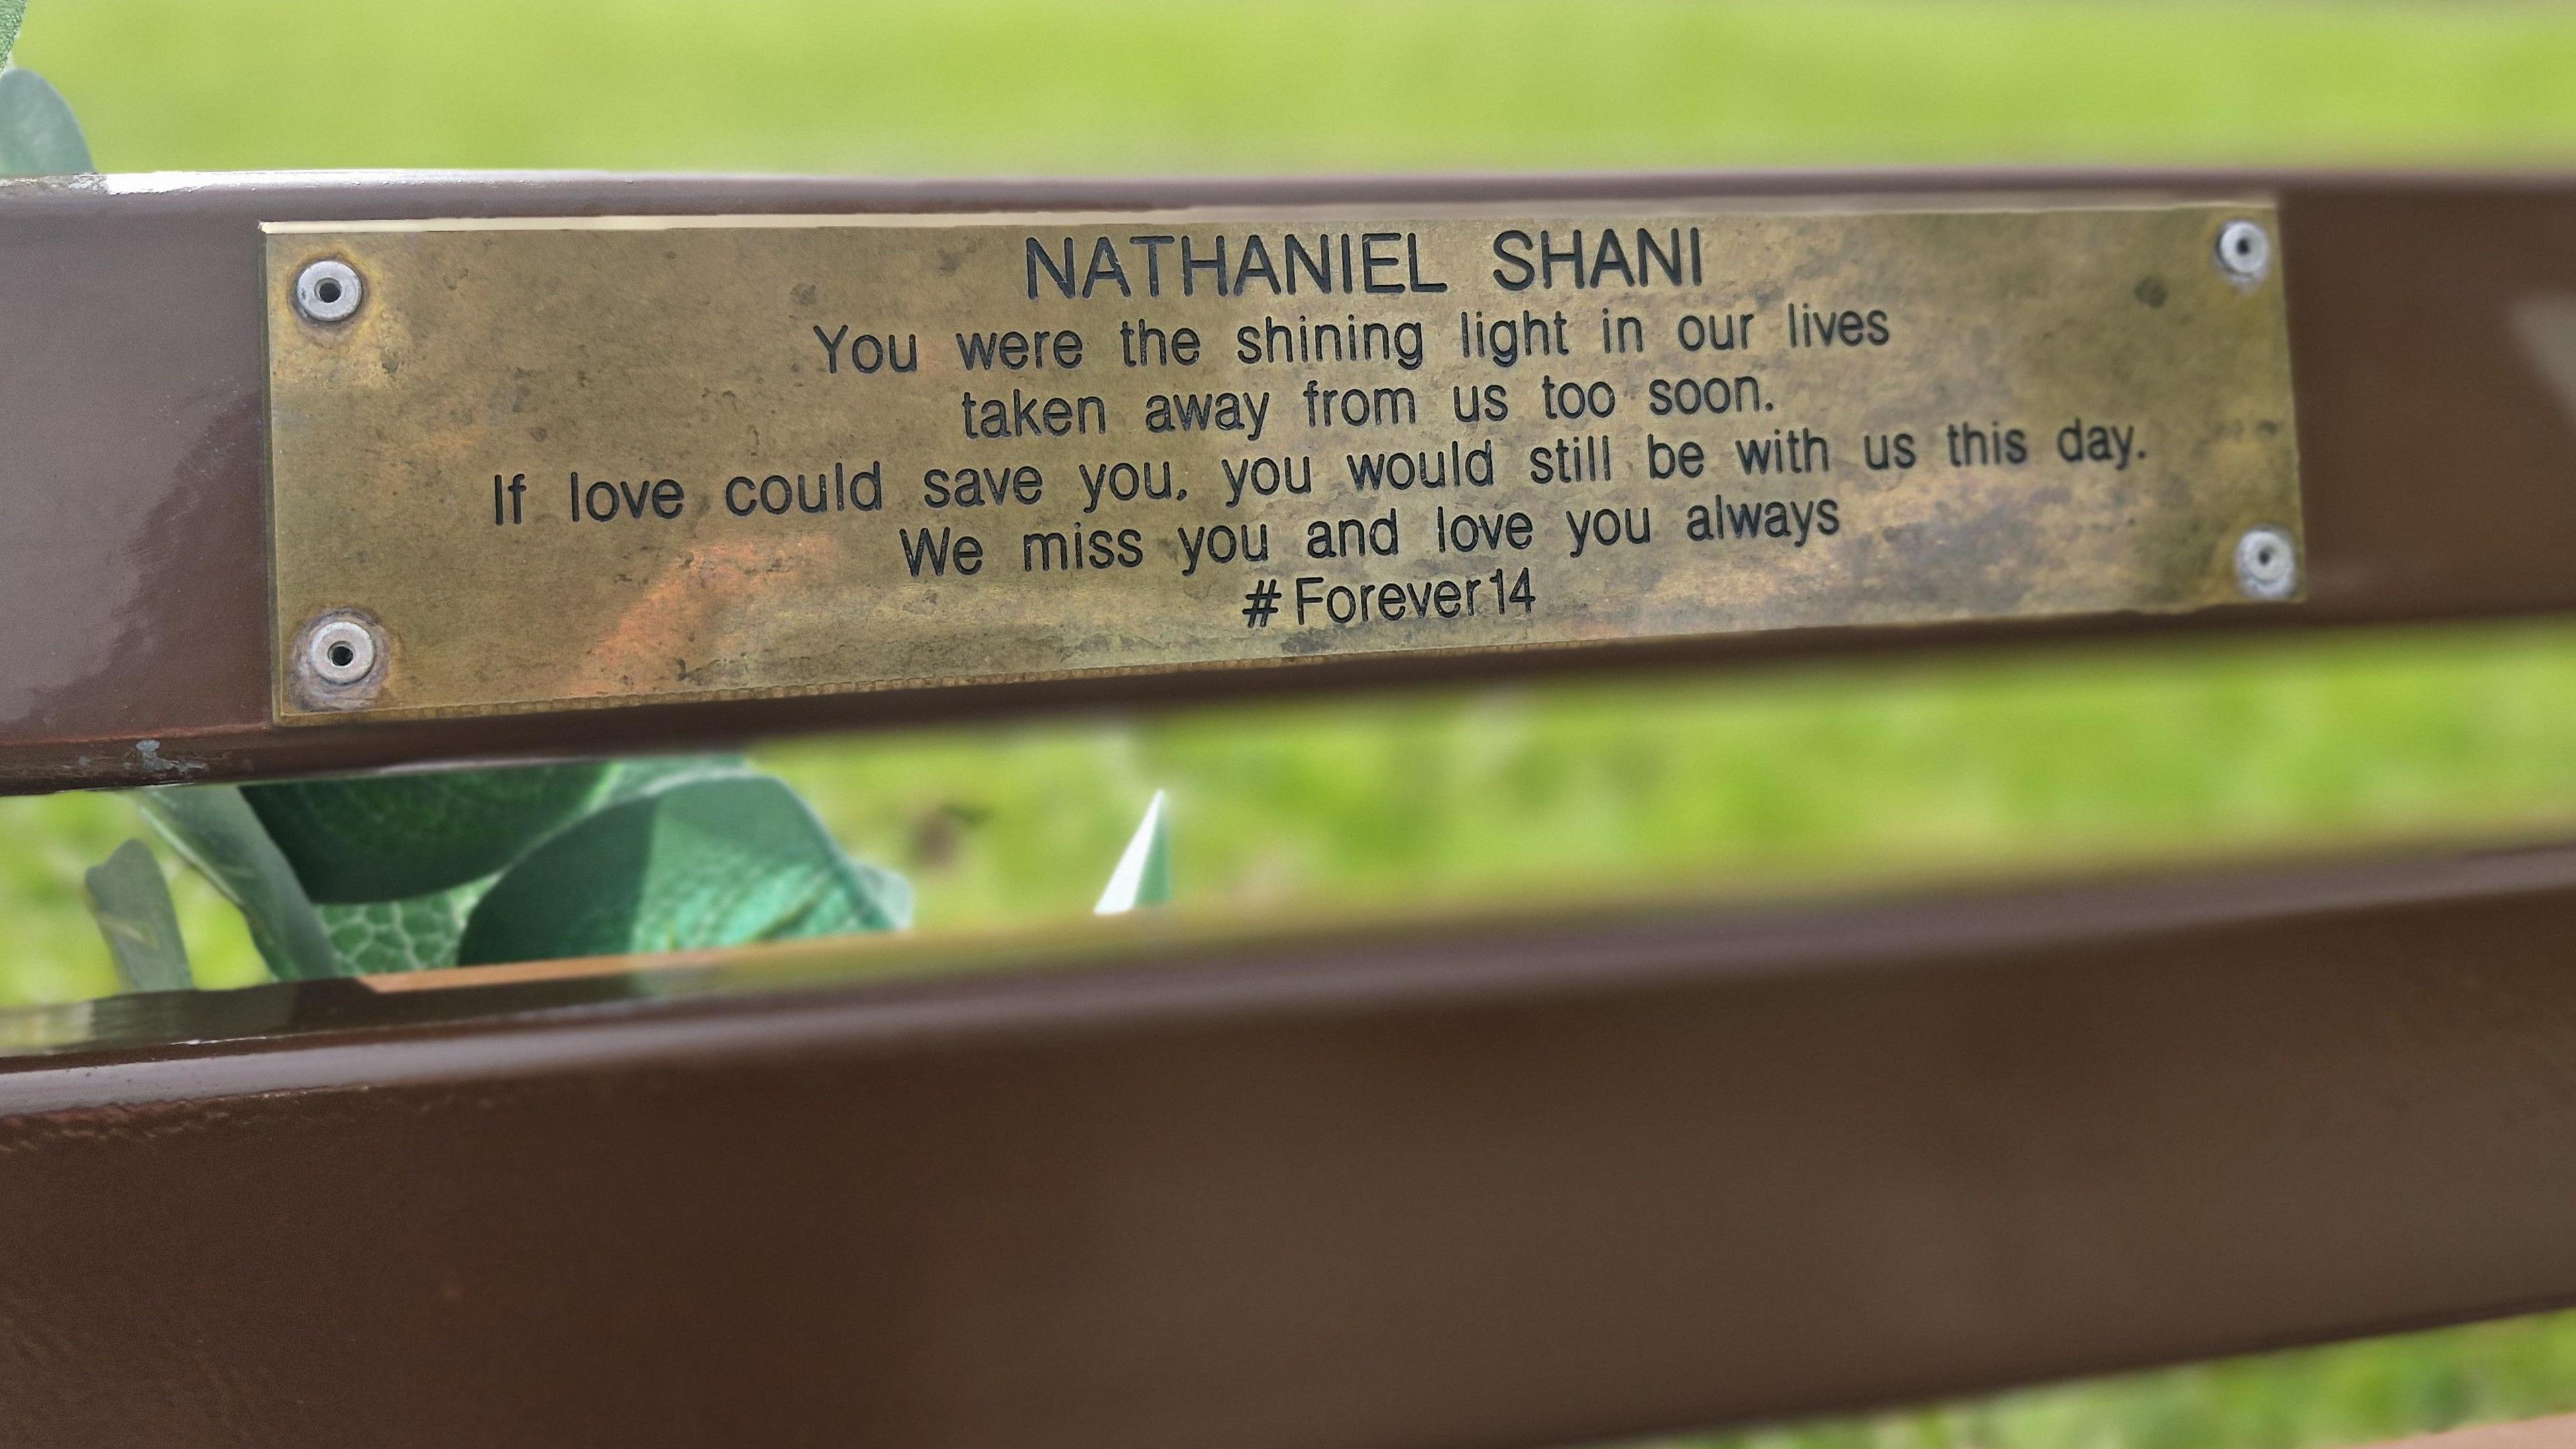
(548, 464)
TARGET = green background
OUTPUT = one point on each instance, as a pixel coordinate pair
(1758, 782)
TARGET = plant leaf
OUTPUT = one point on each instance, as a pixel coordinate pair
(646, 774)
(131, 903)
(1144, 873)
(214, 829)
(422, 932)
(720, 861)
(394, 837)
(38, 136)
(419, 934)
(13, 13)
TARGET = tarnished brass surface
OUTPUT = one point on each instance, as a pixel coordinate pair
(717, 493)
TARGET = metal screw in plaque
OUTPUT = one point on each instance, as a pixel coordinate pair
(341, 651)
(2244, 251)
(328, 291)
(2267, 564)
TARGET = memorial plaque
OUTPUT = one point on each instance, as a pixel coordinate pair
(526, 465)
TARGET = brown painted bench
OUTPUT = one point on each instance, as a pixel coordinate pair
(1536, 1179)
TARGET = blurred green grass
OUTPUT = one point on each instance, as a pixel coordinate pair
(1221, 85)
(2344, 1394)
(1747, 783)
(1796, 776)
(1790, 778)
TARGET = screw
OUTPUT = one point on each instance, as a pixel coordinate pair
(2267, 564)
(340, 650)
(328, 291)
(2244, 251)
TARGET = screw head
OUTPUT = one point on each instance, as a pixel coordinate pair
(2267, 564)
(328, 291)
(340, 650)
(2244, 251)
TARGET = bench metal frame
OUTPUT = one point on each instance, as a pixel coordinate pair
(1512, 1181)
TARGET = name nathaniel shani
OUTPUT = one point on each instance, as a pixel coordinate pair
(1629, 262)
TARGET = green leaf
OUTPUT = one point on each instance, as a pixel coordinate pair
(393, 837)
(13, 13)
(646, 774)
(721, 861)
(214, 829)
(1144, 873)
(131, 903)
(38, 136)
(419, 934)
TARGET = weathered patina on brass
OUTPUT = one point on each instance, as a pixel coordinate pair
(562, 463)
